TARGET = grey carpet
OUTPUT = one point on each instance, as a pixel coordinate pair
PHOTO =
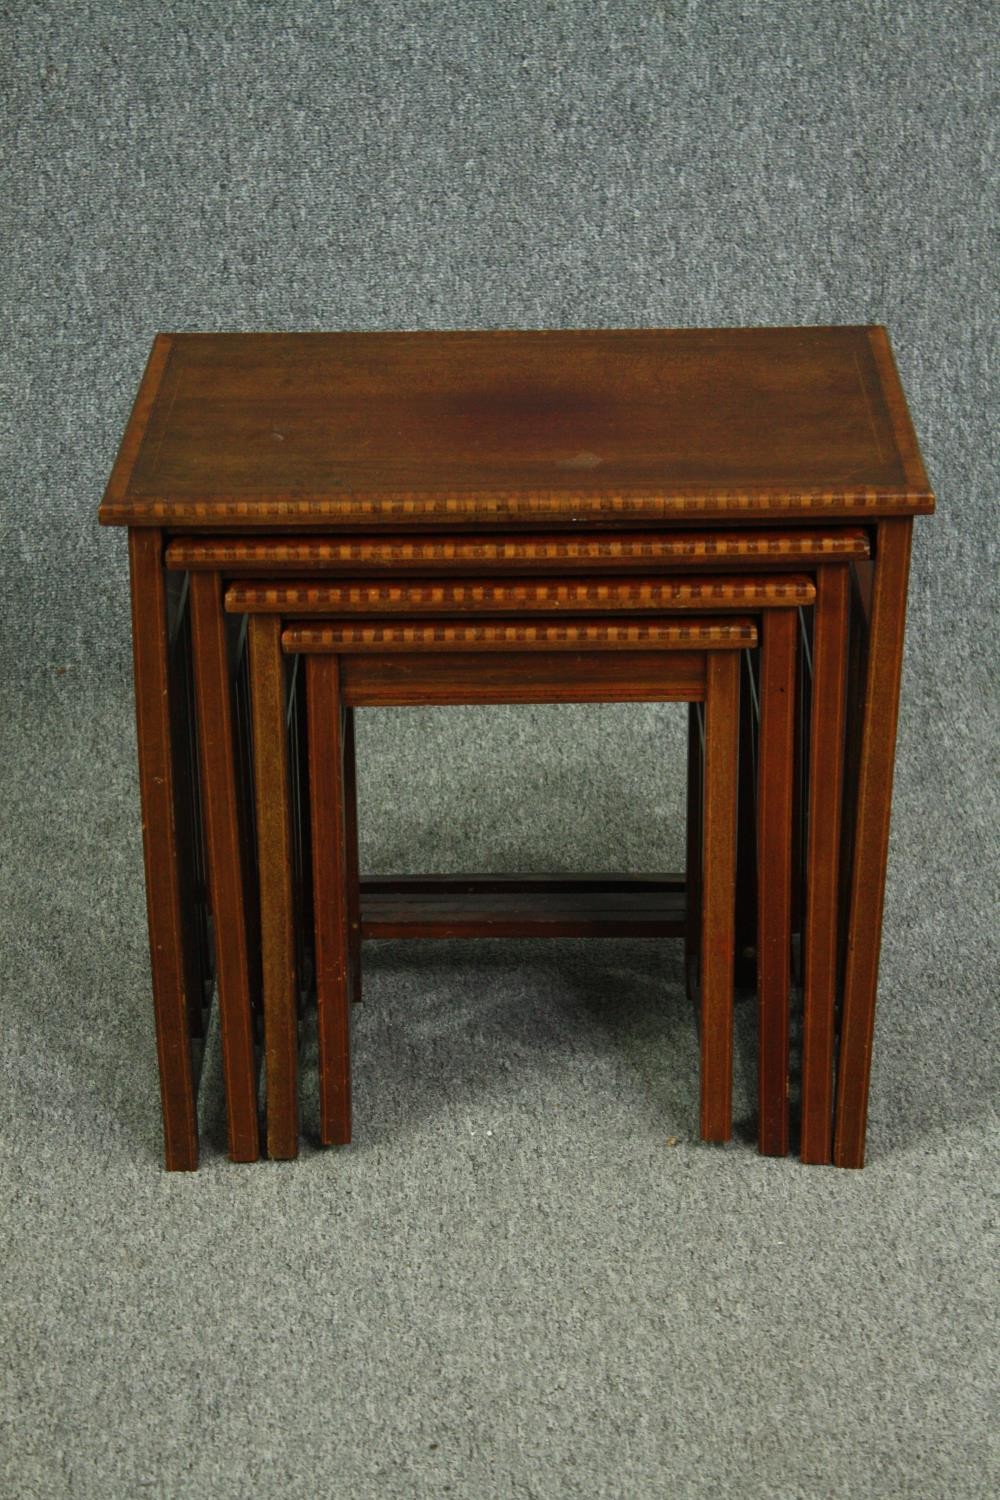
(513, 1284)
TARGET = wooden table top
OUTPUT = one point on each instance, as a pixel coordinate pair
(272, 431)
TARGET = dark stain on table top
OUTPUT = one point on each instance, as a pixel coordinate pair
(280, 430)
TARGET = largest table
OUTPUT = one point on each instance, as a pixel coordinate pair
(271, 434)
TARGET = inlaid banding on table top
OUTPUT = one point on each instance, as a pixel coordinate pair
(521, 596)
(503, 508)
(630, 550)
(680, 634)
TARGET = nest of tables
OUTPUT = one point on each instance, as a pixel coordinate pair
(325, 522)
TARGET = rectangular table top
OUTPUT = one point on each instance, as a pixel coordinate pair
(275, 431)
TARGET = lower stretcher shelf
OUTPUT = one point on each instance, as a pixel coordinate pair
(481, 906)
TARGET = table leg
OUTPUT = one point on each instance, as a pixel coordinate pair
(871, 836)
(774, 885)
(692, 872)
(820, 937)
(327, 734)
(857, 648)
(718, 896)
(746, 838)
(277, 907)
(217, 747)
(353, 868)
(171, 965)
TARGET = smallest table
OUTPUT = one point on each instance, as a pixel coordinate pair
(391, 664)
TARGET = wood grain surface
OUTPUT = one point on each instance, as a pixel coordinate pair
(492, 428)
(406, 679)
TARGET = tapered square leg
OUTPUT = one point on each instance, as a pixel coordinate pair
(746, 835)
(171, 965)
(274, 858)
(718, 896)
(871, 837)
(353, 870)
(692, 873)
(224, 845)
(775, 791)
(328, 732)
(829, 664)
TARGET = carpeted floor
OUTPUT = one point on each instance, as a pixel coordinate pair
(526, 1278)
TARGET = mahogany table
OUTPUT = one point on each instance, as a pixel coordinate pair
(544, 660)
(439, 641)
(437, 575)
(272, 439)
